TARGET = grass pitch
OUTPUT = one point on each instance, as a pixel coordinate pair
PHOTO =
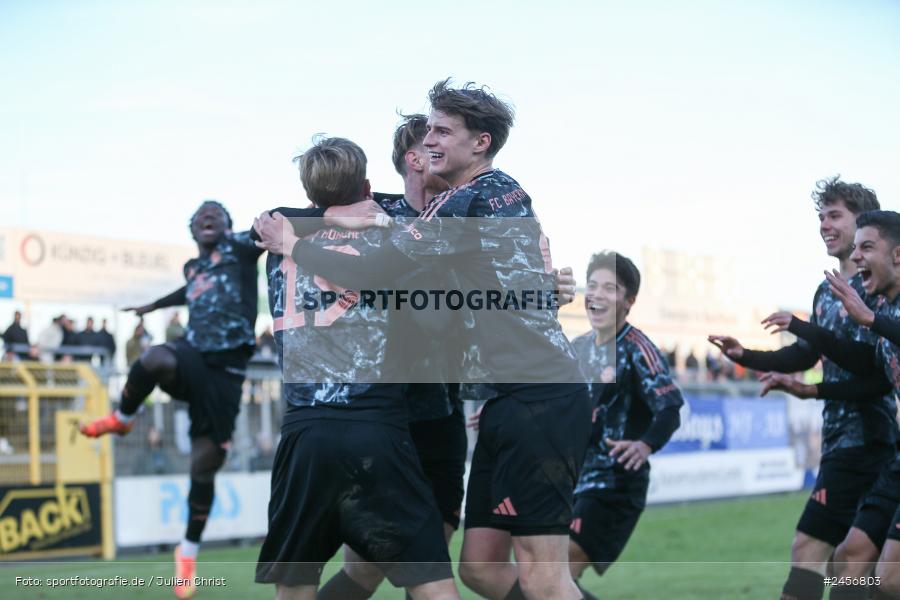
(736, 549)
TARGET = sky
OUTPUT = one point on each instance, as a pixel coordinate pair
(693, 126)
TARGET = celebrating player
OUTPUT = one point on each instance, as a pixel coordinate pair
(436, 423)
(636, 407)
(876, 528)
(857, 437)
(535, 425)
(205, 368)
(345, 470)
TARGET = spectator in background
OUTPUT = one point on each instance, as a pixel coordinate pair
(139, 342)
(175, 330)
(106, 340)
(713, 367)
(70, 338)
(672, 357)
(691, 366)
(51, 338)
(16, 334)
(85, 338)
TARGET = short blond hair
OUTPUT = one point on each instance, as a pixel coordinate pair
(333, 171)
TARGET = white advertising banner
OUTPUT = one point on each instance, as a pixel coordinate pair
(722, 474)
(153, 510)
(51, 266)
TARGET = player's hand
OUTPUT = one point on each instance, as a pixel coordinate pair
(786, 383)
(729, 346)
(360, 215)
(777, 321)
(630, 453)
(849, 297)
(276, 234)
(475, 418)
(140, 311)
(565, 285)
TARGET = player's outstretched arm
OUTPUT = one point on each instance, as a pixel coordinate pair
(306, 221)
(176, 298)
(799, 356)
(856, 357)
(376, 270)
(866, 389)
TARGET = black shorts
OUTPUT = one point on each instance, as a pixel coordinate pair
(339, 481)
(845, 477)
(878, 511)
(442, 446)
(212, 391)
(526, 464)
(603, 523)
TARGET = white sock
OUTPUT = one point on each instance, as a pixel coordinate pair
(189, 549)
(126, 419)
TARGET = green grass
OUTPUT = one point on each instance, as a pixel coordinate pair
(709, 550)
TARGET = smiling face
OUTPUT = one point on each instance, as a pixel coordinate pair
(837, 226)
(454, 151)
(875, 259)
(605, 301)
(208, 225)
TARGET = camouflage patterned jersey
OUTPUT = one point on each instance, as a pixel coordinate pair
(426, 401)
(887, 352)
(850, 424)
(483, 235)
(330, 356)
(630, 384)
(221, 295)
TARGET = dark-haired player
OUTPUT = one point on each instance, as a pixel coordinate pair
(345, 470)
(858, 438)
(636, 406)
(876, 528)
(205, 368)
(535, 426)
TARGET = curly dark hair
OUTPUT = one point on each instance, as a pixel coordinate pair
(481, 110)
(855, 196)
(887, 222)
(627, 274)
(214, 203)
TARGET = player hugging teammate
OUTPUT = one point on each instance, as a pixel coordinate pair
(534, 429)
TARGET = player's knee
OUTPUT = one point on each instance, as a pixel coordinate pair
(854, 555)
(159, 360)
(812, 553)
(474, 574)
(542, 580)
(207, 458)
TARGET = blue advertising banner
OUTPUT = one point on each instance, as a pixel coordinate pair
(713, 422)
